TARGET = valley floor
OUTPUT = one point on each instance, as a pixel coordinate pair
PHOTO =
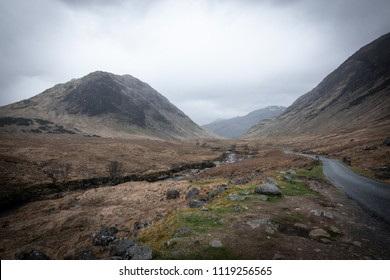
(310, 220)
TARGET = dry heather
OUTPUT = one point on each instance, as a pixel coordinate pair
(247, 229)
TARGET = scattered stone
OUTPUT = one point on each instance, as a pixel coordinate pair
(245, 192)
(140, 225)
(270, 181)
(347, 160)
(318, 233)
(298, 229)
(320, 213)
(196, 204)
(278, 256)
(105, 236)
(235, 197)
(171, 243)
(267, 189)
(215, 243)
(257, 223)
(86, 254)
(83, 254)
(239, 208)
(173, 194)
(139, 252)
(31, 254)
(241, 181)
(369, 148)
(335, 230)
(262, 197)
(120, 247)
(182, 232)
(291, 172)
(387, 141)
(302, 226)
(288, 179)
(270, 226)
(325, 240)
(205, 209)
(158, 217)
(357, 243)
(192, 193)
(214, 193)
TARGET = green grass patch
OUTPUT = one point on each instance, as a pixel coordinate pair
(360, 171)
(200, 222)
(295, 189)
(316, 172)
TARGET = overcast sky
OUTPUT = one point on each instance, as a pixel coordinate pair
(211, 58)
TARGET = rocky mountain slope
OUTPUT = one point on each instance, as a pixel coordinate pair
(102, 104)
(235, 127)
(354, 96)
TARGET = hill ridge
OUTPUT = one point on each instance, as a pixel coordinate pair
(354, 96)
(108, 105)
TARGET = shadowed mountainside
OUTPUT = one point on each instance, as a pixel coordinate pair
(354, 96)
(106, 105)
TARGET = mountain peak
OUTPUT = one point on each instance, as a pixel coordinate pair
(106, 104)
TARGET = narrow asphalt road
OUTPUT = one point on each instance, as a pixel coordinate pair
(372, 195)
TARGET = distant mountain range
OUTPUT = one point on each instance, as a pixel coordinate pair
(235, 127)
(354, 96)
(101, 104)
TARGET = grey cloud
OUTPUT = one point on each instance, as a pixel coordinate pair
(211, 58)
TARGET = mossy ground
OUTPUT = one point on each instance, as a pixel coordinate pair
(216, 222)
